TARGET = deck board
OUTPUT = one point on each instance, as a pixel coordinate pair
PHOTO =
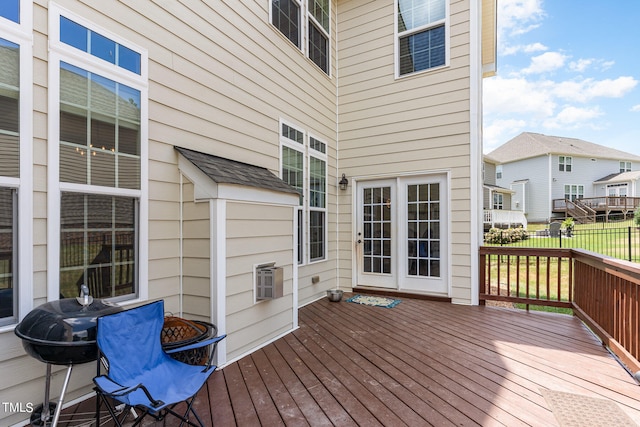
(420, 363)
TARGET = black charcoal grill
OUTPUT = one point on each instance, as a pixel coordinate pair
(62, 332)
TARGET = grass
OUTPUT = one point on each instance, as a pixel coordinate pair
(610, 239)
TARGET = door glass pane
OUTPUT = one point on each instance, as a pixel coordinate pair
(377, 230)
(423, 230)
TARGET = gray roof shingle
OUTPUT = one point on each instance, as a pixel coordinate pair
(529, 144)
(226, 171)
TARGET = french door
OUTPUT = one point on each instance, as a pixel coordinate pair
(402, 234)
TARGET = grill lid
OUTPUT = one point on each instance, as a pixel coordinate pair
(64, 321)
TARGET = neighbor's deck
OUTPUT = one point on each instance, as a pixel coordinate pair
(420, 363)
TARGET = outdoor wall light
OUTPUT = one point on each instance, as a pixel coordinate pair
(343, 182)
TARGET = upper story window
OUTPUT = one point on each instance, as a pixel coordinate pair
(10, 9)
(499, 172)
(98, 184)
(421, 35)
(287, 16)
(564, 163)
(625, 166)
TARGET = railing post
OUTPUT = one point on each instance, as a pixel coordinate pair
(629, 242)
(560, 238)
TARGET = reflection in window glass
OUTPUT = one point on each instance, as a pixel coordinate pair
(423, 230)
(9, 109)
(8, 289)
(10, 9)
(99, 130)
(96, 44)
(97, 245)
(286, 18)
(421, 35)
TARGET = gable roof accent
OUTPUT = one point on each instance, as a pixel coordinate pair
(529, 144)
(226, 171)
(619, 177)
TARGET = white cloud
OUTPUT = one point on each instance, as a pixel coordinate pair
(499, 131)
(580, 65)
(528, 48)
(548, 61)
(519, 16)
(586, 90)
(505, 95)
(573, 117)
(636, 108)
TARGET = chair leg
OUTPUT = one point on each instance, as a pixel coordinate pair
(185, 418)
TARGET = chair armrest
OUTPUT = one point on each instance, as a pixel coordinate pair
(111, 388)
(199, 344)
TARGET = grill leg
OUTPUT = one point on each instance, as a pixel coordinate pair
(56, 417)
(44, 416)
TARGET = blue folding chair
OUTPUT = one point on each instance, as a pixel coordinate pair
(140, 373)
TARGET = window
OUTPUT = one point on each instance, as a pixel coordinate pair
(10, 9)
(292, 141)
(16, 182)
(499, 172)
(573, 192)
(319, 33)
(9, 176)
(564, 163)
(317, 200)
(625, 166)
(421, 35)
(498, 201)
(286, 16)
(100, 156)
(304, 167)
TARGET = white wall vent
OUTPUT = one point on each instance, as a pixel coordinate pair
(269, 282)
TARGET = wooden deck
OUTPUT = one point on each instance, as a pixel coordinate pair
(420, 363)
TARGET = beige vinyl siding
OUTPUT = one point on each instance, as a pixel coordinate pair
(257, 234)
(414, 124)
(196, 256)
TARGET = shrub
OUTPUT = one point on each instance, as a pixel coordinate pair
(497, 236)
(636, 217)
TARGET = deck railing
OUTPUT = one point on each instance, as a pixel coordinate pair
(603, 292)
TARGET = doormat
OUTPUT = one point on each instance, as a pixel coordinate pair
(374, 301)
(583, 411)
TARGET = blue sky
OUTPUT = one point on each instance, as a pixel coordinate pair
(566, 68)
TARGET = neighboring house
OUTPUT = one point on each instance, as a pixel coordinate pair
(173, 150)
(553, 177)
(497, 208)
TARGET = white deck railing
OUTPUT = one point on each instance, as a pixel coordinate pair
(501, 216)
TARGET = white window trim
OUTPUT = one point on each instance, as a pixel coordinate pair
(59, 52)
(321, 156)
(397, 35)
(22, 35)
